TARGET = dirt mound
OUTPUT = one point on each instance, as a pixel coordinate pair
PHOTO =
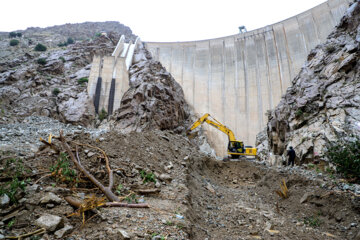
(154, 101)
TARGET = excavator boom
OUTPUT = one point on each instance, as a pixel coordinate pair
(235, 148)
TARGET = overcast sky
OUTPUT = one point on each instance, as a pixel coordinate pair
(155, 20)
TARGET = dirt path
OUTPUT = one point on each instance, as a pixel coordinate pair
(237, 200)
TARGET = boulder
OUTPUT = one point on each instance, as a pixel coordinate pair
(50, 198)
(79, 110)
(49, 222)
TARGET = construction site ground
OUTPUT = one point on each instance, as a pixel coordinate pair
(194, 197)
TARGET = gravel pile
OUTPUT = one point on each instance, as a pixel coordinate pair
(23, 138)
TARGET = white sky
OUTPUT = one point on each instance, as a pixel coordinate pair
(155, 20)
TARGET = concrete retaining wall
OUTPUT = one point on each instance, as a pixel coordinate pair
(238, 78)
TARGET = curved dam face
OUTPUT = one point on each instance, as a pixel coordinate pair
(238, 78)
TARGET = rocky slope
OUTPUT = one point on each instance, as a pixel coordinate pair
(50, 88)
(78, 31)
(322, 105)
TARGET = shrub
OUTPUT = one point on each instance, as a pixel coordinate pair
(16, 171)
(346, 158)
(82, 80)
(41, 61)
(62, 59)
(14, 42)
(40, 48)
(56, 91)
(19, 34)
(62, 44)
(70, 41)
(12, 34)
(299, 113)
(102, 114)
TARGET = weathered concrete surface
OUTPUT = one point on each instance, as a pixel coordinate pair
(238, 78)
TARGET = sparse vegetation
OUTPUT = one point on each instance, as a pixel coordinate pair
(15, 169)
(312, 221)
(147, 177)
(41, 61)
(103, 114)
(14, 42)
(62, 170)
(62, 59)
(70, 41)
(83, 80)
(346, 158)
(299, 113)
(330, 48)
(40, 48)
(56, 91)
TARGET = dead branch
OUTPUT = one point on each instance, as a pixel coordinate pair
(147, 191)
(39, 231)
(76, 160)
(110, 172)
(76, 203)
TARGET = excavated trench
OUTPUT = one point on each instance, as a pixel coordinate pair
(237, 200)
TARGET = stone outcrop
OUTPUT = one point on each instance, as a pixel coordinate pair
(322, 105)
(154, 100)
(78, 110)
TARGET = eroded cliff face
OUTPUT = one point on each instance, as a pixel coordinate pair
(322, 105)
(154, 100)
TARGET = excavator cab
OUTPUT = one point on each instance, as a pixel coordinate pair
(236, 147)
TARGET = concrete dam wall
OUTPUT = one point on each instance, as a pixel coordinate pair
(238, 78)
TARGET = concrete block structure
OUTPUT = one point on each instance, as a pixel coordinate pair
(238, 78)
(109, 77)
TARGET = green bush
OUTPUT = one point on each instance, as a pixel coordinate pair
(62, 44)
(40, 48)
(82, 80)
(62, 59)
(14, 42)
(12, 34)
(299, 113)
(346, 158)
(70, 41)
(102, 114)
(56, 91)
(41, 61)
(19, 34)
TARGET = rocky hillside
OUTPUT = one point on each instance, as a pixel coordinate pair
(78, 31)
(51, 83)
(322, 105)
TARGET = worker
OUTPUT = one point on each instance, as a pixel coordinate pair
(291, 153)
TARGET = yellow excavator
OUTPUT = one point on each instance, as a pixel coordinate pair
(235, 148)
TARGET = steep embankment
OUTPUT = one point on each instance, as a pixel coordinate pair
(322, 105)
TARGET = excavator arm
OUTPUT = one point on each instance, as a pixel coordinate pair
(232, 140)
